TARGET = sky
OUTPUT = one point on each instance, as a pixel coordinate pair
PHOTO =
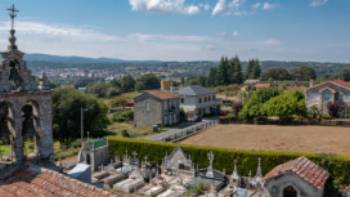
(183, 30)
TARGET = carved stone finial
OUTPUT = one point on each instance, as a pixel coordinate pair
(210, 170)
(258, 170)
(44, 82)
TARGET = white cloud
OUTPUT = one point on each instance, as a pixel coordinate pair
(62, 39)
(167, 6)
(269, 6)
(219, 7)
(236, 7)
(168, 38)
(37, 28)
(271, 42)
(317, 3)
(235, 33)
(263, 6)
(229, 7)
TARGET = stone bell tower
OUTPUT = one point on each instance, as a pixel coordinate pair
(25, 103)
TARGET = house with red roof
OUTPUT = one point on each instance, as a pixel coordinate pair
(156, 107)
(330, 92)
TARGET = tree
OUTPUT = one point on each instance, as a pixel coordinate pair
(345, 75)
(304, 73)
(147, 82)
(286, 105)
(253, 70)
(67, 103)
(127, 83)
(212, 78)
(252, 107)
(276, 74)
(103, 90)
(222, 76)
(235, 71)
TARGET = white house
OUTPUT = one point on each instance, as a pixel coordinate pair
(197, 101)
(333, 91)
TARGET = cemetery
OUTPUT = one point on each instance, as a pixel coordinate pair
(177, 175)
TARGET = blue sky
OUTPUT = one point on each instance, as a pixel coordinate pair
(311, 30)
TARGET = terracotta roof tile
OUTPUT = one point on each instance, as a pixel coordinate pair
(262, 85)
(31, 182)
(163, 95)
(338, 82)
(304, 168)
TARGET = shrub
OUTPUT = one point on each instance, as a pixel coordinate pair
(227, 119)
(287, 105)
(119, 102)
(337, 166)
(252, 107)
(123, 116)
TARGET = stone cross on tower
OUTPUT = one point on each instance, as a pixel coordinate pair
(13, 14)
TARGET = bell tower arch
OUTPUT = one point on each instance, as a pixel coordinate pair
(25, 104)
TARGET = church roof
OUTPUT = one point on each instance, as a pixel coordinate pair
(35, 181)
(302, 167)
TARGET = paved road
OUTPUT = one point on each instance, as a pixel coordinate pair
(175, 134)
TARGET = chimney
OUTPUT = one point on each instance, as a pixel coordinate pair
(165, 85)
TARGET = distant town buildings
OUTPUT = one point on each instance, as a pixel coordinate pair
(330, 92)
(156, 107)
(197, 102)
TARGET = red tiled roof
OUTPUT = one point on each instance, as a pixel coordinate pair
(338, 82)
(163, 95)
(304, 168)
(262, 85)
(341, 83)
(41, 182)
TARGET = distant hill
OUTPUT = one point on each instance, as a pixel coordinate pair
(38, 57)
(68, 59)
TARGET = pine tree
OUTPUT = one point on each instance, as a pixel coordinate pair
(253, 70)
(236, 71)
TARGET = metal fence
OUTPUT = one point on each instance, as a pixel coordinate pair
(175, 135)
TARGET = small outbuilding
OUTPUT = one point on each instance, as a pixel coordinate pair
(296, 178)
(177, 160)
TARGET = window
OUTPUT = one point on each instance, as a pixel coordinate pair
(148, 106)
(200, 100)
(182, 100)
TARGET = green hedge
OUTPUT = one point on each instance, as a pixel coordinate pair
(338, 166)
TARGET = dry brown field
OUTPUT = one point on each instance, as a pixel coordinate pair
(318, 139)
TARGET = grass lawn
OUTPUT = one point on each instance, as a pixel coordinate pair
(125, 96)
(5, 150)
(116, 127)
(61, 152)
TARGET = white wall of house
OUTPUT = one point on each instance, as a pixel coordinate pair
(198, 105)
